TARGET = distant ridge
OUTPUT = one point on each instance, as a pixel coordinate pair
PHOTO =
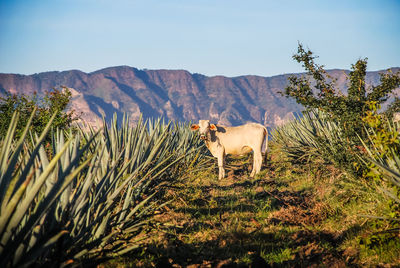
(173, 94)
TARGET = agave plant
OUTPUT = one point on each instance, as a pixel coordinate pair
(311, 135)
(93, 196)
(26, 194)
(129, 169)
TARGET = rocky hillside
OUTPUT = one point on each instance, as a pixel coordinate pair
(174, 94)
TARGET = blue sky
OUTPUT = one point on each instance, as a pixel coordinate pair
(212, 37)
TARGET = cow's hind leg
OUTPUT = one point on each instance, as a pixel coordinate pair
(257, 162)
(221, 165)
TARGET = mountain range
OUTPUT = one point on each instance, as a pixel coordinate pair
(173, 94)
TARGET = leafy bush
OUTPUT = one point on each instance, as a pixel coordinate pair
(54, 101)
(344, 111)
(383, 148)
(317, 91)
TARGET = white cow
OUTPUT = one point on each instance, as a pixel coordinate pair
(238, 140)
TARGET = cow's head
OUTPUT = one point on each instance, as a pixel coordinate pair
(204, 127)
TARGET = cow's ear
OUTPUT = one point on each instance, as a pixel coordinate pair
(194, 127)
(213, 127)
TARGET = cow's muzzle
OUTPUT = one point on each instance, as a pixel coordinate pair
(203, 137)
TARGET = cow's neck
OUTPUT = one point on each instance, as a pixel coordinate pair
(213, 143)
(211, 138)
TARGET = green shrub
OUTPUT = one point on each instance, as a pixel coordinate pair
(383, 149)
(54, 101)
(317, 90)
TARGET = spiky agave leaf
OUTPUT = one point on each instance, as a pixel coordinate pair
(119, 173)
(311, 136)
(116, 194)
(26, 203)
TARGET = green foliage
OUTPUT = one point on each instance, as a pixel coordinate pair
(383, 148)
(393, 108)
(53, 102)
(93, 197)
(317, 91)
(344, 111)
(386, 245)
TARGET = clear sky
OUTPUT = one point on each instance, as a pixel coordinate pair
(212, 37)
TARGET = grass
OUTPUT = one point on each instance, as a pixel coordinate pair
(288, 215)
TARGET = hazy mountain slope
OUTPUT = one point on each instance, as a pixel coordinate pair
(174, 94)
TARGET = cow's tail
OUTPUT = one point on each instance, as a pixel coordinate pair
(266, 145)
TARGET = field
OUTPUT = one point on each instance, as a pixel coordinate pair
(148, 196)
(290, 215)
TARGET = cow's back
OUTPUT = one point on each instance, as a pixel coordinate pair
(241, 139)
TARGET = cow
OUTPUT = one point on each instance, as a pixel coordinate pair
(221, 141)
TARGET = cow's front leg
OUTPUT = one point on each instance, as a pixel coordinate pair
(221, 165)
